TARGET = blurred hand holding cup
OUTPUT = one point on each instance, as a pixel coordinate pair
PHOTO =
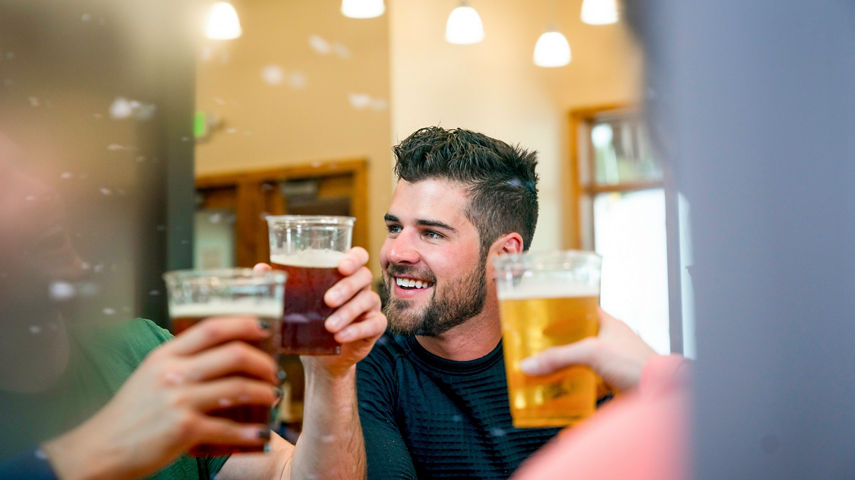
(309, 249)
(548, 299)
(194, 295)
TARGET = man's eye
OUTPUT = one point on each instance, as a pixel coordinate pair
(434, 235)
(393, 228)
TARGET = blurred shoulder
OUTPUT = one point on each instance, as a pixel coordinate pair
(131, 340)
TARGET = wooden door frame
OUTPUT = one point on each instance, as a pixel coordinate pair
(251, 201)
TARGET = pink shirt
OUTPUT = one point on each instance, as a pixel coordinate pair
(640, 435)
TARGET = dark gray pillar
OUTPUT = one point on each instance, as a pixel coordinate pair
(756, 101)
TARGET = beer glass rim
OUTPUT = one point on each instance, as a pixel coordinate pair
(310, 219)
(225, 276)
(553, 259)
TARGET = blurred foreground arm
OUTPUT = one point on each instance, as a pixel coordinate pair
(159, 412)
(646, 428)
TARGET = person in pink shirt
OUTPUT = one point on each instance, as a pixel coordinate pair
(642, 434)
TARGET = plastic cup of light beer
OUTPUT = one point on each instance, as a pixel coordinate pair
(308, 248)
(548, 299)
(194, 295)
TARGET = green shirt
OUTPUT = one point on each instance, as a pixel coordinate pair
(102, 358)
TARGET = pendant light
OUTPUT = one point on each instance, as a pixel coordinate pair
(464, 26)
(362, 8)
(599, 12)
(552, 50)
(223, 23)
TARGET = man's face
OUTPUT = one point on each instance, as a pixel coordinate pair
(433, 272)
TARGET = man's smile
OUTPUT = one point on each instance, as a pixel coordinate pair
(412, 283)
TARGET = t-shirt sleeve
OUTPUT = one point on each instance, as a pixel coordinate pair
(386, 452)
(31, 464)
(213, 465)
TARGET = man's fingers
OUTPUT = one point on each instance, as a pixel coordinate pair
(353, 260)
(214, 331)
(372, 325)
(232, 358)
(348, 287)
(224, 393)
(555, 358)
(261, 267)
(364, 301)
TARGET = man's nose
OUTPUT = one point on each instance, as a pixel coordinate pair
(403, 249)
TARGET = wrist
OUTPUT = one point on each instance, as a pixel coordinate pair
(321, 370)
(77, 456)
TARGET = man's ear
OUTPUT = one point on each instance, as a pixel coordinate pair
(508, 243)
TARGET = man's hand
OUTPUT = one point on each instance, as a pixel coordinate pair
(331, 428)
(160, 410)
(617, 354)
(357, 321)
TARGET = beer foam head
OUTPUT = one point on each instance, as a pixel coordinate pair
(309, 258)
(545, 288)
(246, 306)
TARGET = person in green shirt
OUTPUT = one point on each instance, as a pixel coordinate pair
(127, 400)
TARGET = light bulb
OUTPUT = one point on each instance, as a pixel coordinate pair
(362, 8)
(552, 50)
(599, 12)
(464, 26)
(223, 23)
(601, 135)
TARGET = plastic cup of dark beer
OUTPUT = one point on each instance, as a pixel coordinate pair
(309, 249)
(195, 295)
(548, 299)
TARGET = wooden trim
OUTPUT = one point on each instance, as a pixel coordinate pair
(318, 168)
(359, 203)
(572, 229)
(591, 111)
(623, 187)
(247, 217)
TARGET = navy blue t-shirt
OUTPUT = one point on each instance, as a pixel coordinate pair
(426, 417)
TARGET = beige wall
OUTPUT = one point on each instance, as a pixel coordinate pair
(401, 58)
(308, 116)
(494, 87)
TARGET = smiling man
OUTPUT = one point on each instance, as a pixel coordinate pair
(432, 394)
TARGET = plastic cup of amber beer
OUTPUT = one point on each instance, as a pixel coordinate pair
(194, 295)
(548, 299)
(308, 248)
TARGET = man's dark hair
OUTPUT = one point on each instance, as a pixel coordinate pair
(500, 179)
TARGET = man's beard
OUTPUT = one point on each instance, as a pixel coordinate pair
(459, 301)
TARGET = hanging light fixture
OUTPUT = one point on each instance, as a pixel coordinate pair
(464, 26)
(362, 8)
(223, 23)
(552, 50)
(599, 12)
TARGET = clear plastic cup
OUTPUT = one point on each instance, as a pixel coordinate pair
(548, 299)
(194, 295)
(309, 249)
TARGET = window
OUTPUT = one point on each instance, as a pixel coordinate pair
(621, 207)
